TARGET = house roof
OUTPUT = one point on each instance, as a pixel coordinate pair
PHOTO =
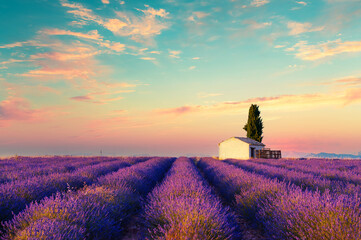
(248, 140)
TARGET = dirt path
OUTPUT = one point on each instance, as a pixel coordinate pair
(247, 230)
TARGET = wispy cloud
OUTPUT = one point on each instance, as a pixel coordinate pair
(350, 81)
(81, 98)
(138, 28)
(88, 98)
(301, 3)
(58, 56)
(90, 35)
(115, 46)
(256, 25)
(19, 109)
(308, 52)
(12, 45)
(174, 53)
(65, 62)
(10, 61)
(103, 92)
(33, 43)
(279, 46)
(197, 15)
(287, 102)
(259, 3)
(143, 28)
(297, 28)
(148, 58)
(105, 1)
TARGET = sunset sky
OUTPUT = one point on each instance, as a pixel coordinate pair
(174, 77)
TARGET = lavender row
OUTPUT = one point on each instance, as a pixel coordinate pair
(334, 164)
(285, 211)
(14, 196)
(96, 212)
(48, 166)
(339, 170)
(21, 162)
(184, 207)
(304, 180)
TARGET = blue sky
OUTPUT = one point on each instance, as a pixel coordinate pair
(98, 72)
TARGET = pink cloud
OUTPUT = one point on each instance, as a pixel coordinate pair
(198, 15)
(308, 52)
(138, 28)
(298, 28)
(179, 110)
(81, 98)
(302, 3)
(62, 71)
(259, 3)
(115, 46)
(105, 92)
(352, 95)
(10, 61)
(94, 35)
(35, 43)
(288, 102)
(19, 109)
(12, 45)
(114, 25)
(148, 58)
(88, 98)
(14, 89)
(347, 81)
(58, 56)
(254, 25)
(174, 53)
(66, 62)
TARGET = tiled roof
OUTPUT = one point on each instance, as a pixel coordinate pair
(249, 141)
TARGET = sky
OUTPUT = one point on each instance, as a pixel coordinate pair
(169, 77)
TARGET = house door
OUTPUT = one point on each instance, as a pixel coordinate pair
(252, 152)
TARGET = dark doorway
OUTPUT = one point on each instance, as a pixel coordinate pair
(252, 152)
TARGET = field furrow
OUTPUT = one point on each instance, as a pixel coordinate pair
(304, 180)
(183, 206)
(95, 212)
(25, 170)
(14, 196)
(334, 170)
(285, 211)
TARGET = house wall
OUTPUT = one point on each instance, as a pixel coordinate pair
(234, 148)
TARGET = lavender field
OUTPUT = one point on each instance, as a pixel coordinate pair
(183, 198)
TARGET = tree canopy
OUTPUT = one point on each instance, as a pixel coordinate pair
(254, 125)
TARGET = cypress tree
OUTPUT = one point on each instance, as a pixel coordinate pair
(254, 125)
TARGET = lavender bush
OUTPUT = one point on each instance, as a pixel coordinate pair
(101, 198)
(184, 207)
(96, 212)
(38, 166)
(347, 171)
(284, 210)
(14, 196)
(309, 181)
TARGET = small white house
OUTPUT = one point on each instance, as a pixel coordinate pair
(239, 148)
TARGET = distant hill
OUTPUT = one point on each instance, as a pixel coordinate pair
(332, 155)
